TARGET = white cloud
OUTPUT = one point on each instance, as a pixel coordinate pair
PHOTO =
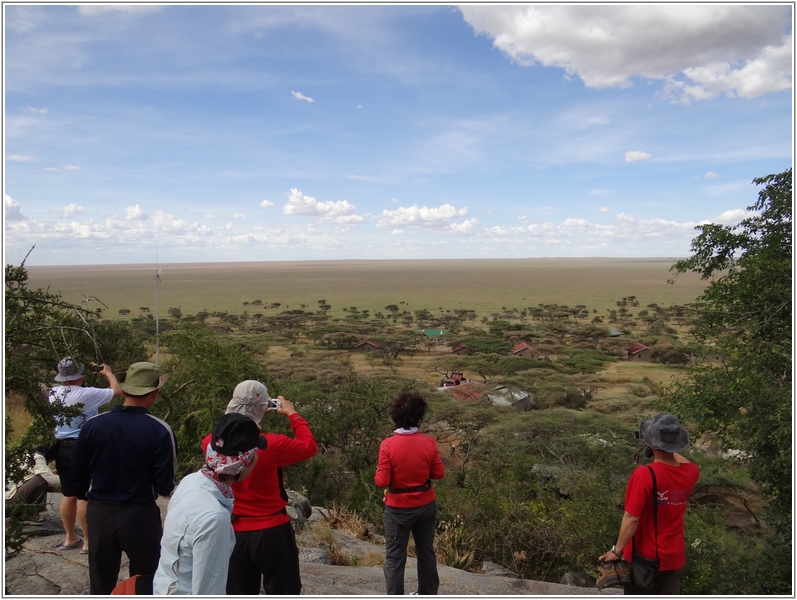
(51, 169)
(348, 219)
(300, 96)
(70, 209)
(731, 217)
(603, 209)
(397, 232)
(31, 109)
(523, 219)
(634, 155)
(341, 211)
(71, 167)
(22, 157)
(239, 215)
(710, 175)
(421, 217)
(266, 204)
(742, 50)
(168, 223)
(599, 192)
(210, 216)
(135, 213)
(12, 210)
(467, 227)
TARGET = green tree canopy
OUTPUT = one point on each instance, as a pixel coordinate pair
(746, 314)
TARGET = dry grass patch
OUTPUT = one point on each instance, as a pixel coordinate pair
(372, 558)
(18, 415)
(341, 557)
(341, 518)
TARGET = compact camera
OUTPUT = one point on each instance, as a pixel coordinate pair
(273, 404)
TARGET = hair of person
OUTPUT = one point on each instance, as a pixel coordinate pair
(407, 409)
(136, 396)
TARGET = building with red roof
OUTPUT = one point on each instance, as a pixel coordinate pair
(639, 352)
(367, 346)
(526, 350)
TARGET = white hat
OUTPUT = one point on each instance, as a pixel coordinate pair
(249, 398)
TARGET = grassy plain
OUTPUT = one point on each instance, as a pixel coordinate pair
(483, 285)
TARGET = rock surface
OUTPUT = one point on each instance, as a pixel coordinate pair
(42, 569)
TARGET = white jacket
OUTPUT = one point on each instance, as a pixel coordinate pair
(198, 540)
(39, 468)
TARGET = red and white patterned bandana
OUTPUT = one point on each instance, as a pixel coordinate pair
(219, 464)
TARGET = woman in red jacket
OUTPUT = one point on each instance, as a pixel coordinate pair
(408, 461)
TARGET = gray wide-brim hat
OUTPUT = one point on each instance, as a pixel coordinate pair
(249, 398)
(141, 378)
(664, 432)
(69, 370)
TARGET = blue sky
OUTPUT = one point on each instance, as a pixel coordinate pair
(238, 133)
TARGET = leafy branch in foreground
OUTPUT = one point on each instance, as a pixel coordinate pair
(746, 314)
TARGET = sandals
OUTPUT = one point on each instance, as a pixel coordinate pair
(63, 546)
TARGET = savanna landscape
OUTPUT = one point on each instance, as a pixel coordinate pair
(548, 383)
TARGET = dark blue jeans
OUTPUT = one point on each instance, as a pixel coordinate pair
(399, 523)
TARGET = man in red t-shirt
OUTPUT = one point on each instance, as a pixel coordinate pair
(675, 478)
(265, 543)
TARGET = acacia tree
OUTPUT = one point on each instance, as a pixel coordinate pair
(746, 313)
(40, 329)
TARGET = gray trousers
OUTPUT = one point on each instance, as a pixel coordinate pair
(399, 523)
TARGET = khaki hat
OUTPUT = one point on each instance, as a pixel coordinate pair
(141, 378)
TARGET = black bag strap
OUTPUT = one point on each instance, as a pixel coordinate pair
(655, 521)
(417, 488)
(655, 504)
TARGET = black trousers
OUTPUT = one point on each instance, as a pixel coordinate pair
(669, 585)
(116, 527)
(268, 553)
(399, 523)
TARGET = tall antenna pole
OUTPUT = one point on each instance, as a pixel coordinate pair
(157, 314)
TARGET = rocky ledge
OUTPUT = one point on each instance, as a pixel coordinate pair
(41, 569)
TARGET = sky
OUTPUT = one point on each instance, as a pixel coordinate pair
(209, 133)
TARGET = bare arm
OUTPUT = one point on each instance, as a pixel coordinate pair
(112, 383)
(627, 530)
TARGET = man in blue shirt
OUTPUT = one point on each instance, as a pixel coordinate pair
(123, 459)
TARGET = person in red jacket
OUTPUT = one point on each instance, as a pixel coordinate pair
(408, 461)
(675, 477)
(265, 543)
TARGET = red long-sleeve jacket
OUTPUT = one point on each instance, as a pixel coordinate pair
(407, 461)
(261, 497)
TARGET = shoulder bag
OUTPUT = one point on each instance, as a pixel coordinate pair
(645, 571)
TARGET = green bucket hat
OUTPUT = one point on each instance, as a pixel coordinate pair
(141, 378)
